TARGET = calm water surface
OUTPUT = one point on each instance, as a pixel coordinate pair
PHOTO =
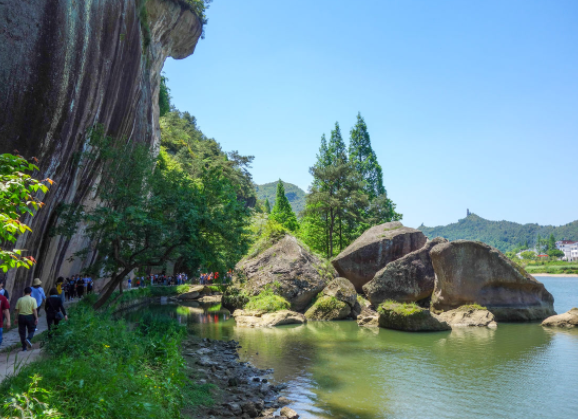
(338, 370)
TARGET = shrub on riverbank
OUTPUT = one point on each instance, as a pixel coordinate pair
(98, 367)
(267, 301)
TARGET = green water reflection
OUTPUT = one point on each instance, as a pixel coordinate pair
(338, 370)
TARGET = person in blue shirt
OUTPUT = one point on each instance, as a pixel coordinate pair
(38, 293)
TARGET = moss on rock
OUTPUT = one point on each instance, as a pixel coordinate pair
(328, 308)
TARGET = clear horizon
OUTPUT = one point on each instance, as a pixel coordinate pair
(469, 105)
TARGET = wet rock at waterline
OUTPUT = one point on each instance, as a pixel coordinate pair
(473, 272)
(260, 318)
(342, 289)
(233, 299)
(368, 318)
(374, 249)
(297, 274)
(328, 308)
(241, 390)
(409, 318)
(289, 413)
(407, 279)
(468, 317)
(566, 320)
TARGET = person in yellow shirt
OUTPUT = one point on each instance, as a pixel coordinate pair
(27, 318)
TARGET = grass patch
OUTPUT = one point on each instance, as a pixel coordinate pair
(268, 301)
(100, 367)
(403, 309)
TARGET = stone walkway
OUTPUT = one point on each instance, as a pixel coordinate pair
(14, 359)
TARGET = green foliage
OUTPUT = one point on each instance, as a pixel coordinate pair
(324, 305)
(267, 301)
(347, 196)
(188, 204)
(268, 206)
(98, 367)
(503, 235)
(269, 234)
(282, 212)
(164, 97)
(402, 309)
(17, 198)
(528, 255)
(295, 195)
(555, 253)
(30, 403)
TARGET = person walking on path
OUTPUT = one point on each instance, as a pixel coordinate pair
(80, 288)
(54, 310)
(38, 293)
(129, 283)
(27, 315)
(4, 314)
(3, 291)
(60, 287)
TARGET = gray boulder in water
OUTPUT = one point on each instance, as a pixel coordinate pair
(374, 249)
(407, 279)
(409, 318)
(567, 320)
(473, 272)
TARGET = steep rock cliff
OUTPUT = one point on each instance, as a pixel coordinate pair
(66, 65)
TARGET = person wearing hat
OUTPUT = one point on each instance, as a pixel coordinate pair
(38, 293)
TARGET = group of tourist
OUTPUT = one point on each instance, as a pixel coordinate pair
(213, 277)
(28, 307)
(143, 281)
(28, 310)
(76, 286)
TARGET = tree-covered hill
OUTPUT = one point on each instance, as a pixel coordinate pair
(504, 235)
(294, 194)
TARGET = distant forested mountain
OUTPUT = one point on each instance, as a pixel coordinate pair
(504, 235)
(294, 194)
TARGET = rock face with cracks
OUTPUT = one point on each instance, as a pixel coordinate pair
(66, 66)
(374, 249)
(407, 279)
(294, 272)
(473, 272)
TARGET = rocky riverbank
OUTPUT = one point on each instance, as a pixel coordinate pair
(240, 389)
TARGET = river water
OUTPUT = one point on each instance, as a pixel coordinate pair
(338, 370)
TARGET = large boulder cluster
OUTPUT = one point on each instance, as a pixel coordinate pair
(409, 282)
(415, 284)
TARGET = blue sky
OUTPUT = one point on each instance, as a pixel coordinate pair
(470, 104)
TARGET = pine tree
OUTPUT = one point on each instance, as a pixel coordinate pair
(381, 209)
(552, 242)
(282, 211)
(267, 206)
(364, 160)
(336, 150)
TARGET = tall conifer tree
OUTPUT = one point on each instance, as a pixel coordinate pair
(282, 211)
(267, 206)
(364, 160)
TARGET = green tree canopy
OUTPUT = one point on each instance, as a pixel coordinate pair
(282, 211)
(18, 197)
